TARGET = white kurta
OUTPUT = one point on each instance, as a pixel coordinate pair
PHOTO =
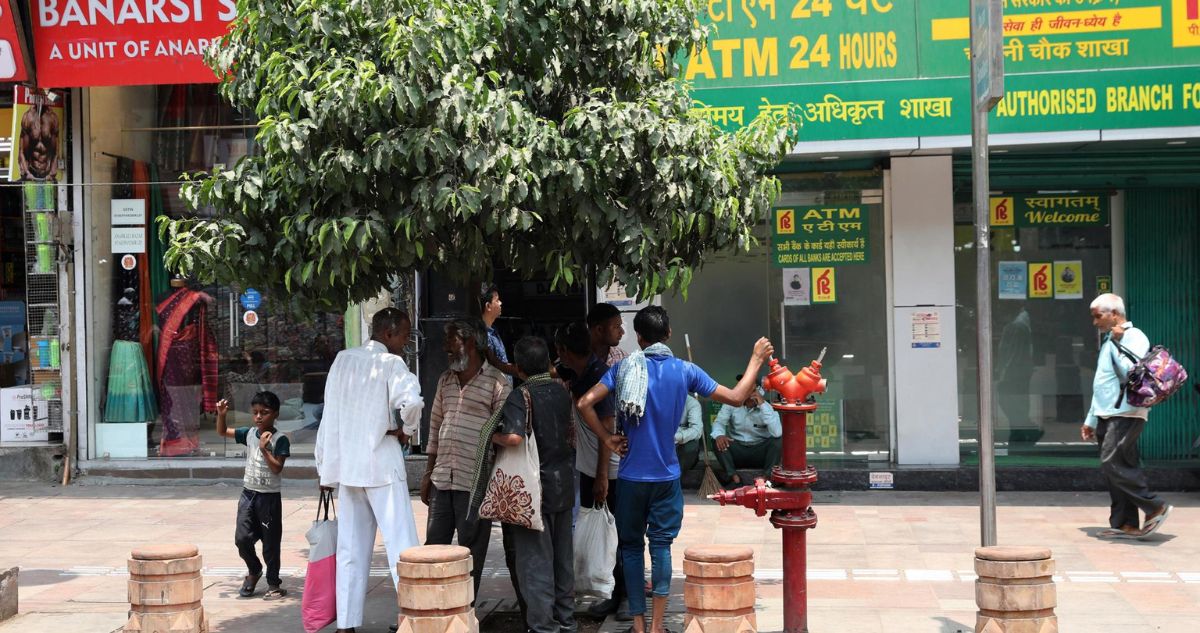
(365, 386)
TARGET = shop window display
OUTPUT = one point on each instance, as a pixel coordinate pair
(30, 255)
(166, 349)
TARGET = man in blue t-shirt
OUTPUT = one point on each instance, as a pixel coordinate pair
(651, 388)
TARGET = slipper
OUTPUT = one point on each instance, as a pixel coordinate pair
(274, 593)
(248, 585)
(1114, 533)
(1153, 523)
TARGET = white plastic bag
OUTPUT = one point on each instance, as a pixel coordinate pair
(595, 552)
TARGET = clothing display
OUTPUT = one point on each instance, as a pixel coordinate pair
(130, 391)
(131, 396)
(187, 370)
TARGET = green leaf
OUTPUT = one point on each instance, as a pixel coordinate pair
(453, 137)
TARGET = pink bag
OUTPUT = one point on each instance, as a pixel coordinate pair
(318, 608)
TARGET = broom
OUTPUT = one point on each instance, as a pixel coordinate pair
(709, 484)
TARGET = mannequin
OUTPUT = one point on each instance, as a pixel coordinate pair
(187, 368)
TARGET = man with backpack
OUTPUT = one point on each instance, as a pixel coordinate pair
(1115, 424)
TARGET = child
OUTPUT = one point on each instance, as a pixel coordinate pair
(260, 509)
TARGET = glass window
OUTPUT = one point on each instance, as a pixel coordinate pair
(1043, 344)
(852, 424)
(165, 350)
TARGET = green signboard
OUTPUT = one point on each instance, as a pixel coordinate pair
(1049, 210)
(825, 235)
(861, 69)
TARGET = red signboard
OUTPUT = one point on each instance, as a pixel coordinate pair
(12, 65)
(125, 42)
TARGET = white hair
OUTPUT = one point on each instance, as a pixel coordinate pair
(1109, 303)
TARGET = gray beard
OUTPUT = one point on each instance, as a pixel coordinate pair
(459, 364)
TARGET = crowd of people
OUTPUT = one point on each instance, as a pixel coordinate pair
(610, 429)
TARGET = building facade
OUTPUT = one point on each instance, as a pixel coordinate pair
(869, 253)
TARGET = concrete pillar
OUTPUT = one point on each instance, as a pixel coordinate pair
(1015, 591)
(719, 589)
(165, 590)
(921, 202)
(436, 592)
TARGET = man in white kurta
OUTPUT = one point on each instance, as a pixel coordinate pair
(359, 452)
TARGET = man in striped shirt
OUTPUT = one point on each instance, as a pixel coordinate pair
(468, 394)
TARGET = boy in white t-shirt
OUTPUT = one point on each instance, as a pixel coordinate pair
(260, 508)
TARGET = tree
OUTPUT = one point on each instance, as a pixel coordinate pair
(396, 135)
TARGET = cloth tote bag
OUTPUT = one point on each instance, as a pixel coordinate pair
(318, 608)
(514, 494)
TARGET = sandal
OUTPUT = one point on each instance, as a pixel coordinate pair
(275, 592)
(248, 585)
(1115, 533)
(1153, 523)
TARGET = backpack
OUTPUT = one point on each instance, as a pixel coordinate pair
(1153, 378)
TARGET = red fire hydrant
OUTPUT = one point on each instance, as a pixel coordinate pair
(787, 495)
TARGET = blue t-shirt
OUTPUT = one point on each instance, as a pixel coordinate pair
(651, 455)
(496, 345)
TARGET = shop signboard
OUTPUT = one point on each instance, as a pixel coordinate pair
(12, 62)
(1050, 210)
(81, 43)
(825, 235)
(862, 69)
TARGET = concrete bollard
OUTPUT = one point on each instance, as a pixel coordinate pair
(718, 590)
(1015, 591)
(435, 591)
(8, 593)
(165, 590)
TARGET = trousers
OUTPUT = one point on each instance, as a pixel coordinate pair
(260, 518)
(546, 568)
(1119, 462)
(654, 511)
(360, 512)
(759, 455)
(447, 517)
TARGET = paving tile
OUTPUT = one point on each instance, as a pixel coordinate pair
(895, 562)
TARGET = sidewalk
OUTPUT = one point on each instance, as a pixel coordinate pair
(878, 561)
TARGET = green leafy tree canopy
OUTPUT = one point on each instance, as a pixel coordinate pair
(397, 135)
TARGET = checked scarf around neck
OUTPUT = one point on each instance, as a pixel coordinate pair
(485, 451)
(633, 380)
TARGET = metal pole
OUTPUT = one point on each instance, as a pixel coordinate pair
(980, 189)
